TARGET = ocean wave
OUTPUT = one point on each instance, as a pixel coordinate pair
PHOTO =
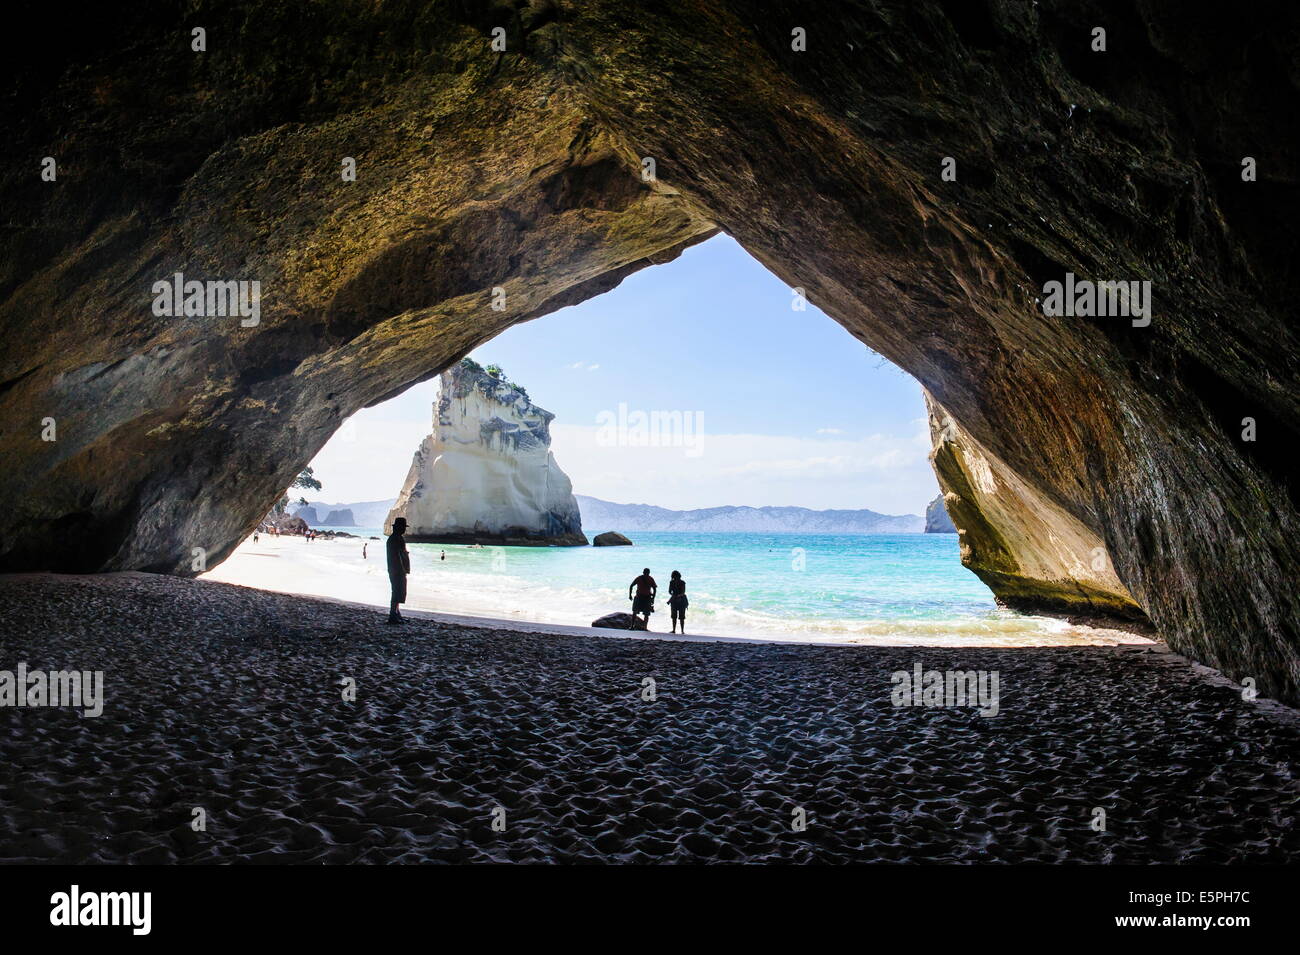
(926, 604)
(502, 595)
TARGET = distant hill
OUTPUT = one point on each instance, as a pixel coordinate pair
(599, 516)
(364, 514)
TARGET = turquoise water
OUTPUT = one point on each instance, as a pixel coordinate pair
(782, 576)
(837, 587)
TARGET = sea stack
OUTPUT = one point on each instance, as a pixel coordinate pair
(486, 473)
(340, 518)
(937, 520)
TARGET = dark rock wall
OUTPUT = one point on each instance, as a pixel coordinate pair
(519, 170)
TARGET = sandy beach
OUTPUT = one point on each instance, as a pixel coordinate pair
(335, 569)
(230, 700)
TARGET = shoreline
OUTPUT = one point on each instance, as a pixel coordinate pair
(330, 569)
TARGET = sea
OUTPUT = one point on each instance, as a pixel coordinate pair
(879, 588)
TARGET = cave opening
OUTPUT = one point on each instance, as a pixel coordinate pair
(706, 410)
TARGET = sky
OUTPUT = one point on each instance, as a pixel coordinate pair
(748, 400)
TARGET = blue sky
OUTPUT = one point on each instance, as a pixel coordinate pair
(791, 408)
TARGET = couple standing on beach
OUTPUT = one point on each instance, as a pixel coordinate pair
(642, 594)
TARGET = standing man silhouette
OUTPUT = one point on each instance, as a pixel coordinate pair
(399, 565)
(644, 599)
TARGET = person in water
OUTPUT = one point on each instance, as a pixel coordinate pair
(399, 565)
(677, 602)
(644, 600)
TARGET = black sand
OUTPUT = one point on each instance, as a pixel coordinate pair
(227, 699)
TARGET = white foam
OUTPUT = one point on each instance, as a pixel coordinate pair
(335, 569)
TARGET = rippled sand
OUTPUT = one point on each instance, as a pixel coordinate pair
(228, 699)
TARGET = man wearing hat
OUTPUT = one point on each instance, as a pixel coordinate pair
(399, 565)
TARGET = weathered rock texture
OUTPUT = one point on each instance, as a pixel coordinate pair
(486, 473)
(937, 520)
(1032, 554)
(519, 170)
(611, 539)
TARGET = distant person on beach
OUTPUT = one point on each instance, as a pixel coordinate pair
(399, 565)
(254, 537)
(363, 550)
(677, 602)
(444, 556)
(644, 599)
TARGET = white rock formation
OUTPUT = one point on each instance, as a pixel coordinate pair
(486, 474)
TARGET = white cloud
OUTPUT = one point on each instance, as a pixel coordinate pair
(366, 460)
(883, 472)
(829, 431)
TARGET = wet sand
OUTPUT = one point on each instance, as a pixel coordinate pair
(229, 699)
(334, 569)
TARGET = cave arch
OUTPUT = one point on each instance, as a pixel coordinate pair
(521, 171)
